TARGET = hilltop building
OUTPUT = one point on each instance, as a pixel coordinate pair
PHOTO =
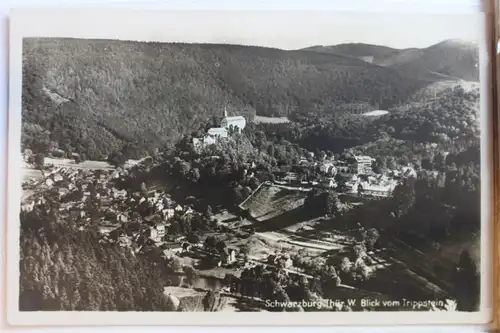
(238, 122)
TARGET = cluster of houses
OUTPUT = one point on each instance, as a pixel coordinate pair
(282, 260)
(355, 174)
(88, 195)
(213, 134)
(375, 186)
(135, 220)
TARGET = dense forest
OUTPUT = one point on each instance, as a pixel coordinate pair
(65, 269)
(412, 133)
(450, 58)
(94, 97)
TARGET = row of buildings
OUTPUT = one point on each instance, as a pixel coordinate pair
(354, 175)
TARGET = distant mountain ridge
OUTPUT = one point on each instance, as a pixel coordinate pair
(452, 59)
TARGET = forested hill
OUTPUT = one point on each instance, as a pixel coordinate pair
(450, 58)
(97, 96)
(375, 54)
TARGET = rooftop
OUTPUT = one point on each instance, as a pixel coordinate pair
(235, 118)
(363, 158)
(217, 131)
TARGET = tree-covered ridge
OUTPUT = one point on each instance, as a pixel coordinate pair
(450, 58)
(358, 50)
(95, 96)
(448, 122)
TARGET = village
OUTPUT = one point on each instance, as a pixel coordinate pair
(141, 221)
(248, 175)
(236, 241)
(353, 175)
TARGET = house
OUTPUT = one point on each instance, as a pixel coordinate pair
(228, 256)
(288, 263)
(342, 167)
(394, 173)
(57, 178)
(28, 207)
(352, 182)
(328, 168)
(381, 189)
(328, 183)
(124, 240)
(188, 211)
(280, 260)
(205, 141)
(168, 213)
(291, 177)
(408, 172)
(361, 165)
(218, 132)
(157, 232)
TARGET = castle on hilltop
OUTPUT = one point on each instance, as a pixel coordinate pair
(237, 123)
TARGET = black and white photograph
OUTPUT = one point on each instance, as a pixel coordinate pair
(249, 164)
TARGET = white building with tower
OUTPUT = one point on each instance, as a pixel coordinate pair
(238, 123)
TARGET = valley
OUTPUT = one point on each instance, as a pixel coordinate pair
(167, 183)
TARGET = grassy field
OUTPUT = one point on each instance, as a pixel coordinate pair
(29, 173)
(271, 201)
(68, 163)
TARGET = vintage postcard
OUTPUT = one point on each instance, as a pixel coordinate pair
(248, 168)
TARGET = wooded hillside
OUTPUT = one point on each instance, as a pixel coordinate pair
(449, 59)
(97, 96)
